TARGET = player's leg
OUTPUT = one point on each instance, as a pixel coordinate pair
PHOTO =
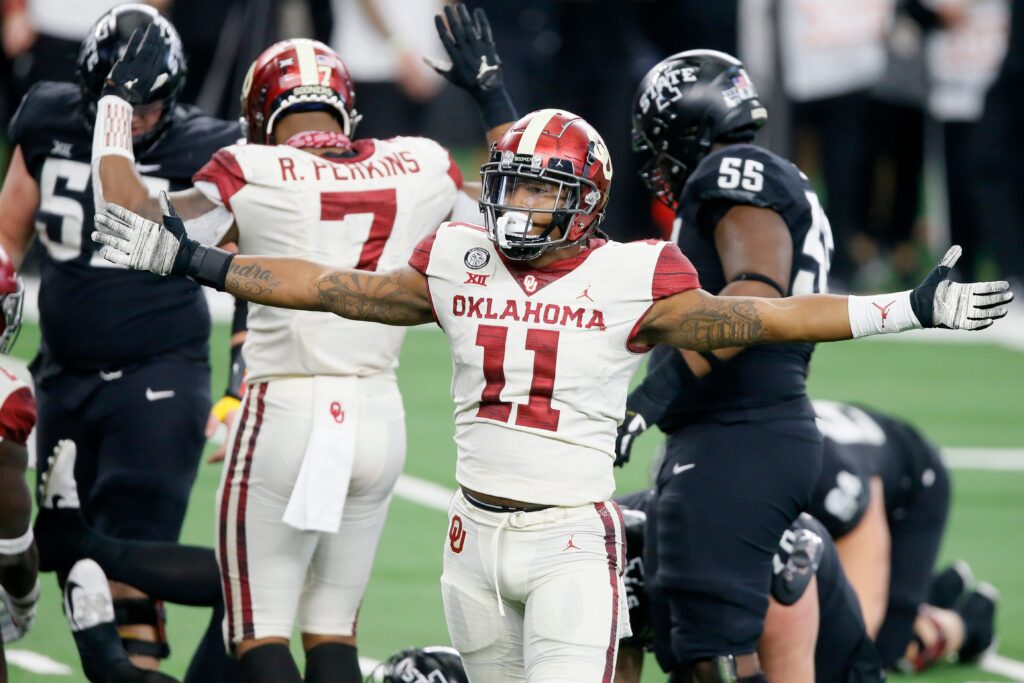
(726, 494)
(263, 561)
(340, 570)
(152, 440)
(786, 647)
(576, 606)
(490, 643)
(90, 612)
(916, 537)
(19, 559)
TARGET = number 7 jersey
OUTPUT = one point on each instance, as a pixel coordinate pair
(365, 211)
(542, 358)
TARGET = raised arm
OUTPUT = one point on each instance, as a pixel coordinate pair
(702, 322)
(397, 297)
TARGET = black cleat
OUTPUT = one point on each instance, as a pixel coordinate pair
(978, 610)
(950, 585)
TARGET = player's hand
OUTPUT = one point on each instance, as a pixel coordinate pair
(938, 302)
(631, 427)
(223, 412)
(141, 69)
(140, 244)
(475, 65)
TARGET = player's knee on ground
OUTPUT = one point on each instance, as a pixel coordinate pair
(141, 623)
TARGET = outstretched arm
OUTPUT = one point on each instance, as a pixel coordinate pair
(702, 322)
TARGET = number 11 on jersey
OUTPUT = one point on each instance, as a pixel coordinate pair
(537, 413)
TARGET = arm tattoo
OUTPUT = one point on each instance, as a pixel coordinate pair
(721, 323)
(375, 297)
(252, 279)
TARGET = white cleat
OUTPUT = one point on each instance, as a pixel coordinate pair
(57, 487)
(87, 600)
(17, 615)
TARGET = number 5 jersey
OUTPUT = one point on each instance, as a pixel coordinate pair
(543, 357)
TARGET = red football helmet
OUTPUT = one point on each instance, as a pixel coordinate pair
(547, 146)
(12, 297)
(296, 75)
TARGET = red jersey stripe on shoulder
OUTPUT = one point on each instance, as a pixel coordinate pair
(420, 258)
(18, 416)
(454, 172)
(224, 172)
(673, 273)
(460, 224)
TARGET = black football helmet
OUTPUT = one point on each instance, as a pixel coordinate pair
(684, 104)
(106, 43)
(423, 665)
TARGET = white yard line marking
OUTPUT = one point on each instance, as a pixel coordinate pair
(424, 492)
(1005, 459)
(1004, 666)
(37, 663)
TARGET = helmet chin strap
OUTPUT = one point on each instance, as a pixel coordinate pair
(319, 139)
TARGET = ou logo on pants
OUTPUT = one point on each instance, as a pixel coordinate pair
(456, 535)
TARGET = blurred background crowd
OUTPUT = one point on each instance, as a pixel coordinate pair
(907, 114)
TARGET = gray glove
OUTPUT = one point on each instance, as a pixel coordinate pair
(938, 302)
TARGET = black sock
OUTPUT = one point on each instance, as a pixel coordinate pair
(126, 672)
(333, 663)
(211, 663)
(100, 650)
(60, 535)
(268, 664)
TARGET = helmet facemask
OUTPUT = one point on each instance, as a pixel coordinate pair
(513, 227)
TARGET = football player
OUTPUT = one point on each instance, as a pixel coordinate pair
(741, 433)
(314, 457)
(808, 589)
(546, 321)
(122, 367)
(883, 494)
(19, 559)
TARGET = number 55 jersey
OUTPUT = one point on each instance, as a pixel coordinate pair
(542, 357)
(364, 211)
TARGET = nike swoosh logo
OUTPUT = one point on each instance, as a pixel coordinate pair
(158, 395)
(677, 468)
(111, 376)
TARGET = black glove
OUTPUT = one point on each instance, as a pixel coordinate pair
(140, 70)
(632, 426)
(475, 66)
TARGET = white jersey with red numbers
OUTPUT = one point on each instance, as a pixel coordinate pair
(366, 211)
(17, 408)
(543, 357)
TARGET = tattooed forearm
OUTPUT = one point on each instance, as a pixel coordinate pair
(376, 297)
(720, 323)
(251, 279)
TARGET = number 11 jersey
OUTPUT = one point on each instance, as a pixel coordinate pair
(542, 357)
(364, 211)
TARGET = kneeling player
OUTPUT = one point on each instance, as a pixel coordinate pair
(808, 588)
(19, 583)
(883, 494)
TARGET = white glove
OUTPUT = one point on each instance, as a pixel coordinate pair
(958, 305)
(133, 241)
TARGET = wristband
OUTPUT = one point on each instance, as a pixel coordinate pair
(495, 107)
(881, 314)
(112, 134)
(208, 266)
(236, 376)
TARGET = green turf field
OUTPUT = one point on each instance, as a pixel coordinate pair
(961, 395)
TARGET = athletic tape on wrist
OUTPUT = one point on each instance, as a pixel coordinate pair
(881, 314)
(16, 546)
(112, 135)
(209, 266)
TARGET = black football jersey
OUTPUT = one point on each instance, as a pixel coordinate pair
(861, 443)
(768, 380)
(93, 314)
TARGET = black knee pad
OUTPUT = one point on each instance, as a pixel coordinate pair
(271, 663)
(142, 612)
(333, 663)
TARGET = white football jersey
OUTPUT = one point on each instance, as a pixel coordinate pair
(367, 212)
(543, 357)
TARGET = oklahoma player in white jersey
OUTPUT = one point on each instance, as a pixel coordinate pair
(546, 322)
(19, 560)
(311, 464)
